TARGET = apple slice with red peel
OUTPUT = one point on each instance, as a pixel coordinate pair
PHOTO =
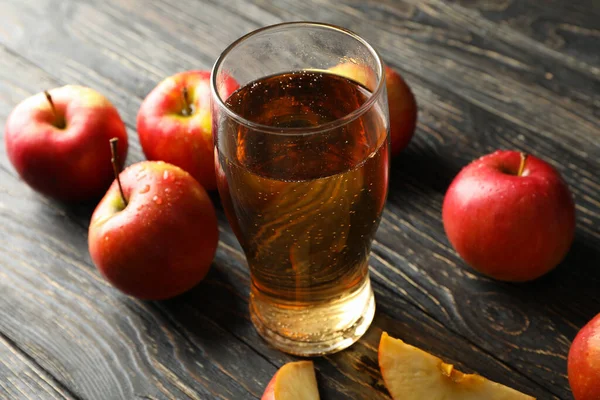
(410, 373)
(293, 381)
(583, 363)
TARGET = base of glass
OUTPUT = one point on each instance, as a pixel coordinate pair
(317, 329)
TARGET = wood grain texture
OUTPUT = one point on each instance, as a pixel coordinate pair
(486, 75)
(23, 379)
(571, 28)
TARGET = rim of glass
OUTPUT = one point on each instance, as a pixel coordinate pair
(301, 131)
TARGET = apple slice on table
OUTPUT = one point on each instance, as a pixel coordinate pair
(410, 373)
(293, 381)
(584, 362)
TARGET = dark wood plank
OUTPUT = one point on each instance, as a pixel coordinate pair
(569, 27)
(160, 350)
(341, 375)
(98, 343)
(487, 129)
(97, 335)
(470, 57)
(21, 378)
(477, 91)
(173, 344)
(528, 326)
(358, 365)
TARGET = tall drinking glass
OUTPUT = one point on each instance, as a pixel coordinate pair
(301, 154)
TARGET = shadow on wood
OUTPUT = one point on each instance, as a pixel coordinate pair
(573, 285)
(428, 171)
(215, 298)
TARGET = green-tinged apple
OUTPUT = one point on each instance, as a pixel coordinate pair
(58, 141)
(510, 216)
(410, 373)
(401, 101)
(584, 362)
(360, 73)
(157, 237)
(293, 381)
(174, 124)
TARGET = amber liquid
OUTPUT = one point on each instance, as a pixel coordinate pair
(305, 205)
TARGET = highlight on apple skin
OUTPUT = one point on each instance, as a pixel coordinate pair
(58, 142)
(158, 238)
(293, 381)
(510, 216)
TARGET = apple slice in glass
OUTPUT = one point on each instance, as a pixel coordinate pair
(293, 381)
(410, 373)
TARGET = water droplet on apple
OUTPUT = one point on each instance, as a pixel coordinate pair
(167, 190)
(106, 238)
(145, 189)
(157, 200)
(166, 175)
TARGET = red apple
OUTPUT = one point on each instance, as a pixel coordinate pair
(584, 362)
(59, 142)
(403, 111)
(174, 124)
(293, 381)
(510, 216)
(162, 241)
(401, 101)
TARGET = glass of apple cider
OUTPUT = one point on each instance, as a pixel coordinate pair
(301, 154)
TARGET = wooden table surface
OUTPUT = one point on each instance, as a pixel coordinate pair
(518, 74)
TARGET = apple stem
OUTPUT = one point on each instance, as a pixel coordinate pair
(49, 98)
(522, 164)
(113, 151)
(186, 100)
